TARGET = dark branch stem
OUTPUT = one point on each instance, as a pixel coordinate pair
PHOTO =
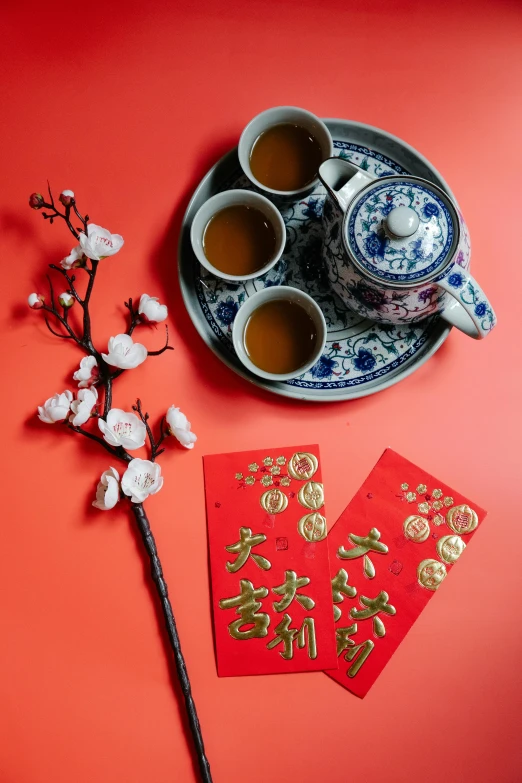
(134, 317)
(51, 290)
(64, 323)
(154, 444)
(166, 347)
(56, 213)
(70, 282)
(118, 452)
(56, 334)
(170, 623)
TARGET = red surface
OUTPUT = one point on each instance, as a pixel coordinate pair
(232, 504)
(381, 503)
(129, 104)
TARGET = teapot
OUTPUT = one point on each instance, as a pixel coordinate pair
(397, 250)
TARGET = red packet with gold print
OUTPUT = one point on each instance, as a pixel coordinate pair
(390, 550)
(271, 582)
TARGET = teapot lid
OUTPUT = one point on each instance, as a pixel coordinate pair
(402, 229)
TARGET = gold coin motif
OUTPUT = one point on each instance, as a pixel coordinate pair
(416, 528)
(462, 519)
(431, 573)
(450, 548)
(302, 466)
(274, 501)
(311, 495)
(312, 527)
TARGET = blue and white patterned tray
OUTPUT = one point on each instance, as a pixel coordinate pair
(360, 357)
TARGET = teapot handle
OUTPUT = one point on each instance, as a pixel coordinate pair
(343, 180)
(469, 309)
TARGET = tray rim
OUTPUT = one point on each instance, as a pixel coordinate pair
(293, 392)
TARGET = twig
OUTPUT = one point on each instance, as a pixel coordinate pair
(166, 347)
(70, 282)
(64, 323)
(57, 334)
(118, 452)
(154, 444)
(134, 317)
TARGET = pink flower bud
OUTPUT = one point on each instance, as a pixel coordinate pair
(36, 201)
(35, 301)
(66, 299)
(67, 197)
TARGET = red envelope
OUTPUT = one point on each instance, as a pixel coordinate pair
(390, 551)
(271, 583)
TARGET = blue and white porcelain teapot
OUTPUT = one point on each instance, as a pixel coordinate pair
(397, 250)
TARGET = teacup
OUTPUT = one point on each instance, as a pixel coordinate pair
(280, 115)
(273, 294)
(230, 198)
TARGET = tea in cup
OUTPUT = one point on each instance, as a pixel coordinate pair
(279, 333)
(238, 235)
(282, 148)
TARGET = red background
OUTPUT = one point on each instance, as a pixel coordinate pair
(129, 104)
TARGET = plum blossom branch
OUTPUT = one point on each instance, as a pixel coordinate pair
(166, 347)
(118, 452)
(155, 450)
(70, 282)
(122, 432)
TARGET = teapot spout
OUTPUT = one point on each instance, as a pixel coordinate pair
(343, 180)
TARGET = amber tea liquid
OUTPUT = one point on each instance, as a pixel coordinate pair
(286, 157)
(239, 240)
(280, 337)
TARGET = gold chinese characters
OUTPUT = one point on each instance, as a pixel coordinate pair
(302, 466)
(311, 495)
(243, 550)
(363, 545)
(431, 573)
(274, 501)
(312, 527)
(450, 548)
(462, 519)
(416, 528)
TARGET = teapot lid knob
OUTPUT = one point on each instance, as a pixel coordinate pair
(402, 222)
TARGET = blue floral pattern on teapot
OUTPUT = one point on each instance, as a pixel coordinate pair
(405, 277)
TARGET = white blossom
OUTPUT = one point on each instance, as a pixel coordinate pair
(66, 299)
(123, 429)
(124, 352)
(108, 490)
(99, 243)
(151, 310)
(88, 372)
(141, 479)
(82, 407)
(180, 427)
(56, 408)
(35, 301)
(74, 259)
(66, 197)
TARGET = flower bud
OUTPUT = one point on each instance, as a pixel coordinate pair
(66, 197)
(66, 299)
(36, 201)
(35, 301)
